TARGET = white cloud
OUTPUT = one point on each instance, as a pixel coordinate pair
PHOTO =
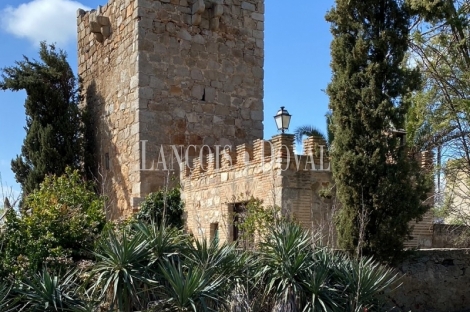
(38, 20)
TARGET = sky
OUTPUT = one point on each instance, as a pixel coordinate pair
(297, 62)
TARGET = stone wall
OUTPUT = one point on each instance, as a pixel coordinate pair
(168, 72)
(423, 229)
(200, 74)
(434, 280)
(270, 171)
(108, 66)
(256, 170)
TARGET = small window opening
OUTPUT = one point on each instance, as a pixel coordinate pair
(215, 232)
(204, 95)
(239, 215)
(106, 161)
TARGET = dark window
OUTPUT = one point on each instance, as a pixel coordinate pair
(106, 160)
(215, 232)
(239, 214)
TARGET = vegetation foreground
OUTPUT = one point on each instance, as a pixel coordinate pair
(145, 267)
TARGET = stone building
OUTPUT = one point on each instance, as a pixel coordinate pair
(218, 187)
(161, 73)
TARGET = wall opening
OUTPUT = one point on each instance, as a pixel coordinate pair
(239, 214)
(106, 161)
(214, 234)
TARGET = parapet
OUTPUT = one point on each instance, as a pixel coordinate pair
(95, 22)
(278, 151)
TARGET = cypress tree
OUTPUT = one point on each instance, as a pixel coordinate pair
(379, 186)
(53, 124)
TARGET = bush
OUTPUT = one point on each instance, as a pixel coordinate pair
(159, 203)
(59, 221)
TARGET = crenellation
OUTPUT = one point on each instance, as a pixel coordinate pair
(244, 154)
(261, 150)
(211, 163)
(283, 146)
(228, 158)
(286, 184)
(153, 58)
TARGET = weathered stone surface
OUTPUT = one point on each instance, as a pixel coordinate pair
(253, 170)
(248, 6)
(434, 280)
(153, 68)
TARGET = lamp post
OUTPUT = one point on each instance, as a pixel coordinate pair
(282, 119)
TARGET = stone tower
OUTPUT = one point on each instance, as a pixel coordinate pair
(168, 72)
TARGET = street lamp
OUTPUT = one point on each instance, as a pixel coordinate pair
(282, 119)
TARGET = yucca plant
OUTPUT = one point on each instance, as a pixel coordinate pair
(286, 257)
(363, 280)
(46, 292)
(224, 259)
(162, 241)
(249, 291)
(191, 288)
(322, 295)
(7, 303)
(121, 270)
(300, 276)
(234, 266)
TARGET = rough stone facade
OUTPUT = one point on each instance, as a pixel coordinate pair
(434, 280)
(270, 171)
(168, 72)
(264, 170)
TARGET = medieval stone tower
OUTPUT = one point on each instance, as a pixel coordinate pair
(168, 72)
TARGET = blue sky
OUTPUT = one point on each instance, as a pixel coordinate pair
(297, 58)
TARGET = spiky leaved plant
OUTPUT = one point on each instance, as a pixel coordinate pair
(49, 292)
(121, 270)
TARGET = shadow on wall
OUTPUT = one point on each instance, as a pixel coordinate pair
(105, 169)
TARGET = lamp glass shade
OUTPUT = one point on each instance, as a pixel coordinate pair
(282, 119)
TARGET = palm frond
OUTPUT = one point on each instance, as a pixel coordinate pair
(302, 131)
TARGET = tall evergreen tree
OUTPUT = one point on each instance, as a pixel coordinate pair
(53, 125)
(379, 186)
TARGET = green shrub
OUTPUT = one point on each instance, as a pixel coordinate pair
(255, 221)
(159, 203)
(59, 223)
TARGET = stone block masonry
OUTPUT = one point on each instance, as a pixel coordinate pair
(434, 280)
(169, 72)
(108, 67)
(270, 171)
(267, 170)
